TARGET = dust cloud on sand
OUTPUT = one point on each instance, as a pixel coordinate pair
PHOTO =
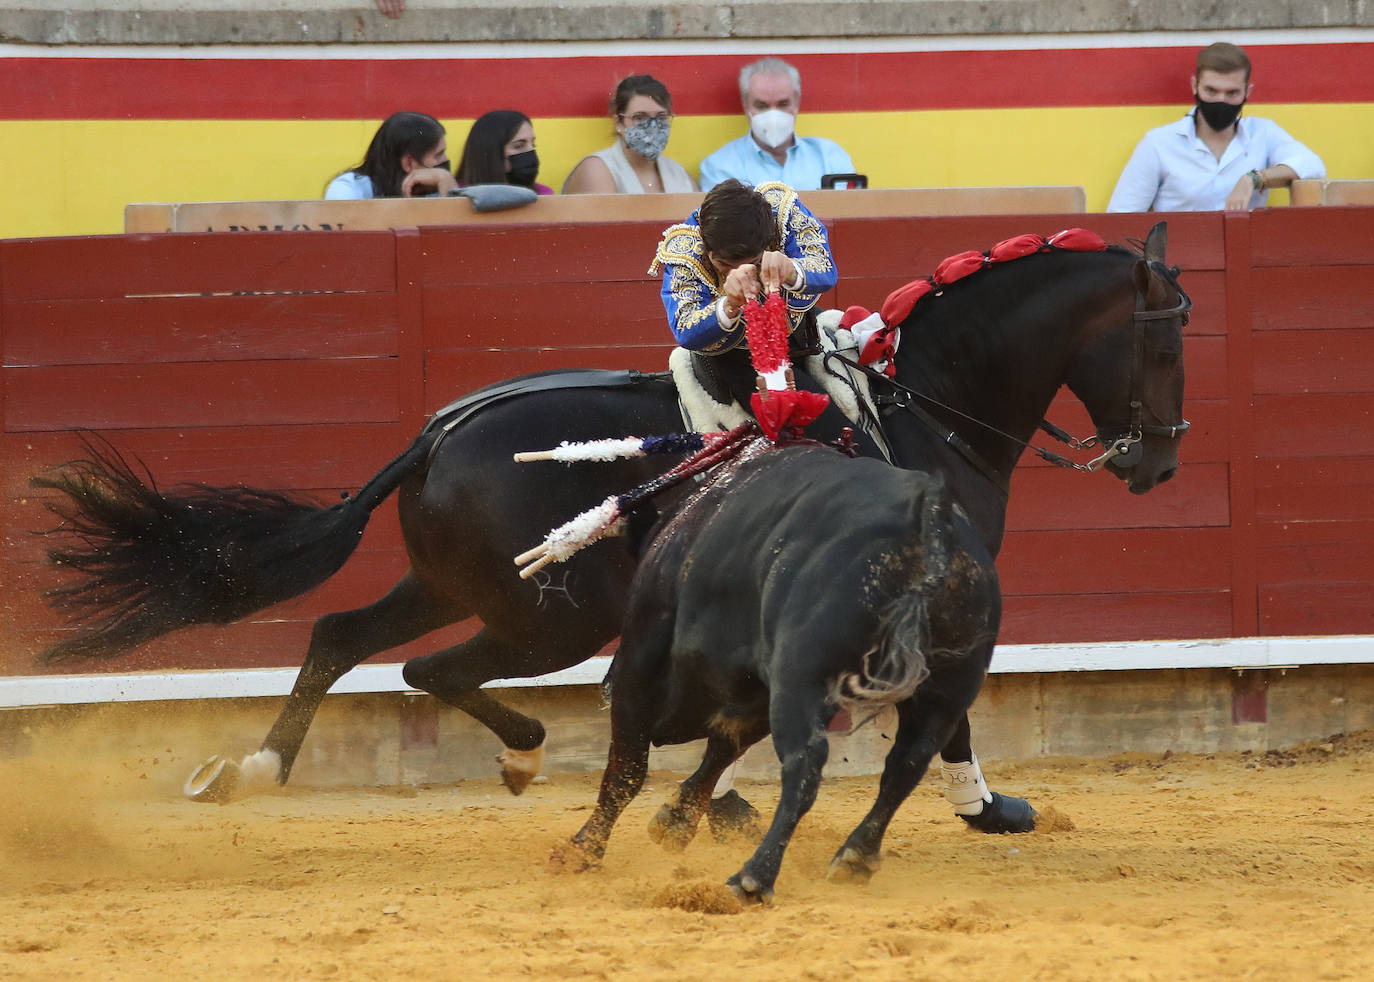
(1238, 866)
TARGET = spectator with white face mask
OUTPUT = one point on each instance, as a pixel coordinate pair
(642, 113)
(770, 90)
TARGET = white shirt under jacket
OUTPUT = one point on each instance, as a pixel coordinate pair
(1173, 170)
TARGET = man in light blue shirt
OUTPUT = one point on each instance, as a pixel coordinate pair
(1212, 159)
(770, 90)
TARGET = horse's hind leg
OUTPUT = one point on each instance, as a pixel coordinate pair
(455, 675)
(339, 642)
(966, 789)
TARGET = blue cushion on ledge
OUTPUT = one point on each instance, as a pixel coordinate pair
(496, 197)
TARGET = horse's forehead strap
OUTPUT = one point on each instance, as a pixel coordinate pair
(900, 302)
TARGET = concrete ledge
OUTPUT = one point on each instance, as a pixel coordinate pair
(139, 22)
(397, 739)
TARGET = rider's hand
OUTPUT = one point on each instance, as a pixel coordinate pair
(776, 271)
(741, 283)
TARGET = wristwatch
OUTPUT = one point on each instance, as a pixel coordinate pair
(1256, 179)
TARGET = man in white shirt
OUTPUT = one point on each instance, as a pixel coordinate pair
(1212, 159)
(770, 90)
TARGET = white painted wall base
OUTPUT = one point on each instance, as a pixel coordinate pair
(1238, 653)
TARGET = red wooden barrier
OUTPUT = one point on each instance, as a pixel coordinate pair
(305, 361)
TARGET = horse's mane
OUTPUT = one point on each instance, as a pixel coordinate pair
(900, 302)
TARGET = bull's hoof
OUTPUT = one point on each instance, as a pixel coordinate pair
(213, 781)
(1003, 814)
(573, 857)
(851, 866)
(520, 767)
(731, 817)
(748, 890)
(672, 828)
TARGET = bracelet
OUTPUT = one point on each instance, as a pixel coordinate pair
(1257, 180)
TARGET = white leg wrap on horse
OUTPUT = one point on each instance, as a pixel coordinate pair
(259, 772)
(965, 788)
(726, 781)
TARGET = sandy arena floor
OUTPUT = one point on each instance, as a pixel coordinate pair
(1230, 867)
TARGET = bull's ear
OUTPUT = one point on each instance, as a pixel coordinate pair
(1156, 242)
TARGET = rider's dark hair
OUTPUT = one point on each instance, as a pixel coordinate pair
(737, 223)
(400, 134)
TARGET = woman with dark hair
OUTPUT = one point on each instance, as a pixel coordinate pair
(500, 150)
(408, 157)
(642, 114)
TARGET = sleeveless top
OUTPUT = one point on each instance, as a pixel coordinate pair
(675, 179)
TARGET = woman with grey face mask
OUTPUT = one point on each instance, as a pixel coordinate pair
(642, 112)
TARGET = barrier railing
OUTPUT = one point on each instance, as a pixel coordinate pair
(304, 362)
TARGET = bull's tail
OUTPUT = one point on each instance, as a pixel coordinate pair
(900, 657)
(143, 563)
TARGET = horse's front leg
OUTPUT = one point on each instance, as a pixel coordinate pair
(966, 789)
(799, 718)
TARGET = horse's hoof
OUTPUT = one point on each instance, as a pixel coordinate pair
(213, 781)
(851, 866)
(670, 829)
(520, 767)
(748, 890)
(1003, 814)
(731, 817)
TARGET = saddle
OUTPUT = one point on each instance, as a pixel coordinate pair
(709, 391)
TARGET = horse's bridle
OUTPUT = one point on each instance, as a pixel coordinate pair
(1125, 450)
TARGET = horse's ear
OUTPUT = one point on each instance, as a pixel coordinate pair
(1156, 242)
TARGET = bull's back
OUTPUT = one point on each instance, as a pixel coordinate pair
(802, 542)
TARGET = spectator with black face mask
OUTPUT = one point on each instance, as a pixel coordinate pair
(1212, 159)
(642, 113)
(500, 150)
(407, 158)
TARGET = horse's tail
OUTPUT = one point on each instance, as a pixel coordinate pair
(900, 657)
(146, 563)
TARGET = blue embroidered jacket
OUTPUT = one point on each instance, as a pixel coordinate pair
(691, 286)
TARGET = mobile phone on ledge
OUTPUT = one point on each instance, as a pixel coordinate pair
(844, 182)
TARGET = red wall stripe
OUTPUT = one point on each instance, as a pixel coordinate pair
(211, 88)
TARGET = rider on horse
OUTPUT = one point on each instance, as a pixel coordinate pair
(746, 242)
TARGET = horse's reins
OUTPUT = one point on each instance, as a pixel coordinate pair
(1126, 446)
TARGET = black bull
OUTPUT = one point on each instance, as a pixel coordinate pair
(799, 583)
(990, 353)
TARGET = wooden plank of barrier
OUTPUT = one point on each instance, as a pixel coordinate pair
(1333, 192)
(384, 213)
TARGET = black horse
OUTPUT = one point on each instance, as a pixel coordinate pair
(765, 605)
(977, 369)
